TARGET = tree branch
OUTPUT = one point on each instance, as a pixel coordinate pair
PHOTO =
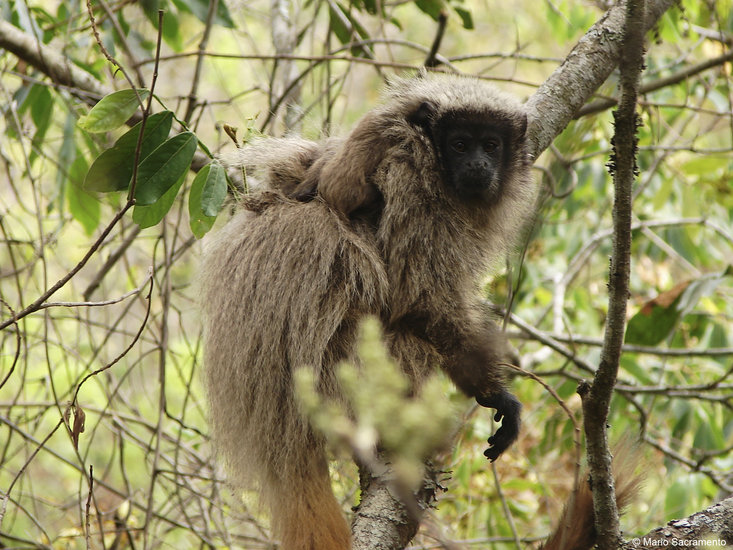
(47, 60)
(709, 524)
(382, 521)
(586, 67)
(597, 397)
(432, 60)
(658, 84)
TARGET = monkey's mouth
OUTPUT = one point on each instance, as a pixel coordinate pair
(478, 188)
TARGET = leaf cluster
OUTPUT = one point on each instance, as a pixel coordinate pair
(378, 410)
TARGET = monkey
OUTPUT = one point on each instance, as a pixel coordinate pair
(400, 219)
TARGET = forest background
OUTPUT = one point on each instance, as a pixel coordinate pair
(98, 301)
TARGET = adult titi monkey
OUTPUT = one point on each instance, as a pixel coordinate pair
(399, 219)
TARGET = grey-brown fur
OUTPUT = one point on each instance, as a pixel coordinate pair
(286, 281)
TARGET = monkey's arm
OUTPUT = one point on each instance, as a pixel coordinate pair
(475, 369)
(472, 353)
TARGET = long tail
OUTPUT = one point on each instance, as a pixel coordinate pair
(576, 529)
(305, 513)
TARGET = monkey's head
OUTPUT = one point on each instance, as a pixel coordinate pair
(478, 138)
(445, 139)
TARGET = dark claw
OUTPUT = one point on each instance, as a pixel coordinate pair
(508, 410)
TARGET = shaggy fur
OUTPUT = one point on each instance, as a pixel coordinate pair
(341, 229)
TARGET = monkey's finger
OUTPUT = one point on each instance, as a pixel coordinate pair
(496, 439)
(498, 444)
(503, 437)
(498, 416)
(492, 453)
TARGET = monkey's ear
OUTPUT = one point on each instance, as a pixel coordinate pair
(423, 115)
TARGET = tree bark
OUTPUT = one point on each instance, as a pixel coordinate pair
(59, 68)
(715, 523)
(585, 68)
(623, 167)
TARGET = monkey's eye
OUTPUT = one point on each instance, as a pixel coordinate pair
(459, 146)
(491, 145)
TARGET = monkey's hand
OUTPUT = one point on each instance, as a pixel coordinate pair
(507, 407)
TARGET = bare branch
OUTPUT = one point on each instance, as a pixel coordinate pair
(597, 397)
(47, 60)
(432, 58)
(712, 523)
(585, 68)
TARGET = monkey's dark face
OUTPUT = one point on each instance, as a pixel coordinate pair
(473, 158)
(473, 149)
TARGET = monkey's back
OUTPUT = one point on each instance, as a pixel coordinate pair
(283, 284)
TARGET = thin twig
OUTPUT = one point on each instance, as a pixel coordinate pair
(87, 527)
(146, 111)
(192, 94)
(432, 61)
(18, 344)
(129, 346)
(117, 300)
(36, 305)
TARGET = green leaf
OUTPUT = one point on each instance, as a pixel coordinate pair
(200, 8)
(66, 156)
(164, 167)
(339, 24)
(708, 436)
(630, 363)
(431, 7)
(41, 105)
(346, 27)
(206, 198)
(148, 216)
(112, 169)
(704, 286)
(113, 110)
(215, 190)
(372, 7)
(704, 165)
(466, 17)
(171, 28)
(84, 208)
(656, 318)
(172, 31)
(150, 7)
(199, 222)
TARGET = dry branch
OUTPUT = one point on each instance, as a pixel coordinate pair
(715, 523)
(59, 68)
(586, 67)
(597, 397)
